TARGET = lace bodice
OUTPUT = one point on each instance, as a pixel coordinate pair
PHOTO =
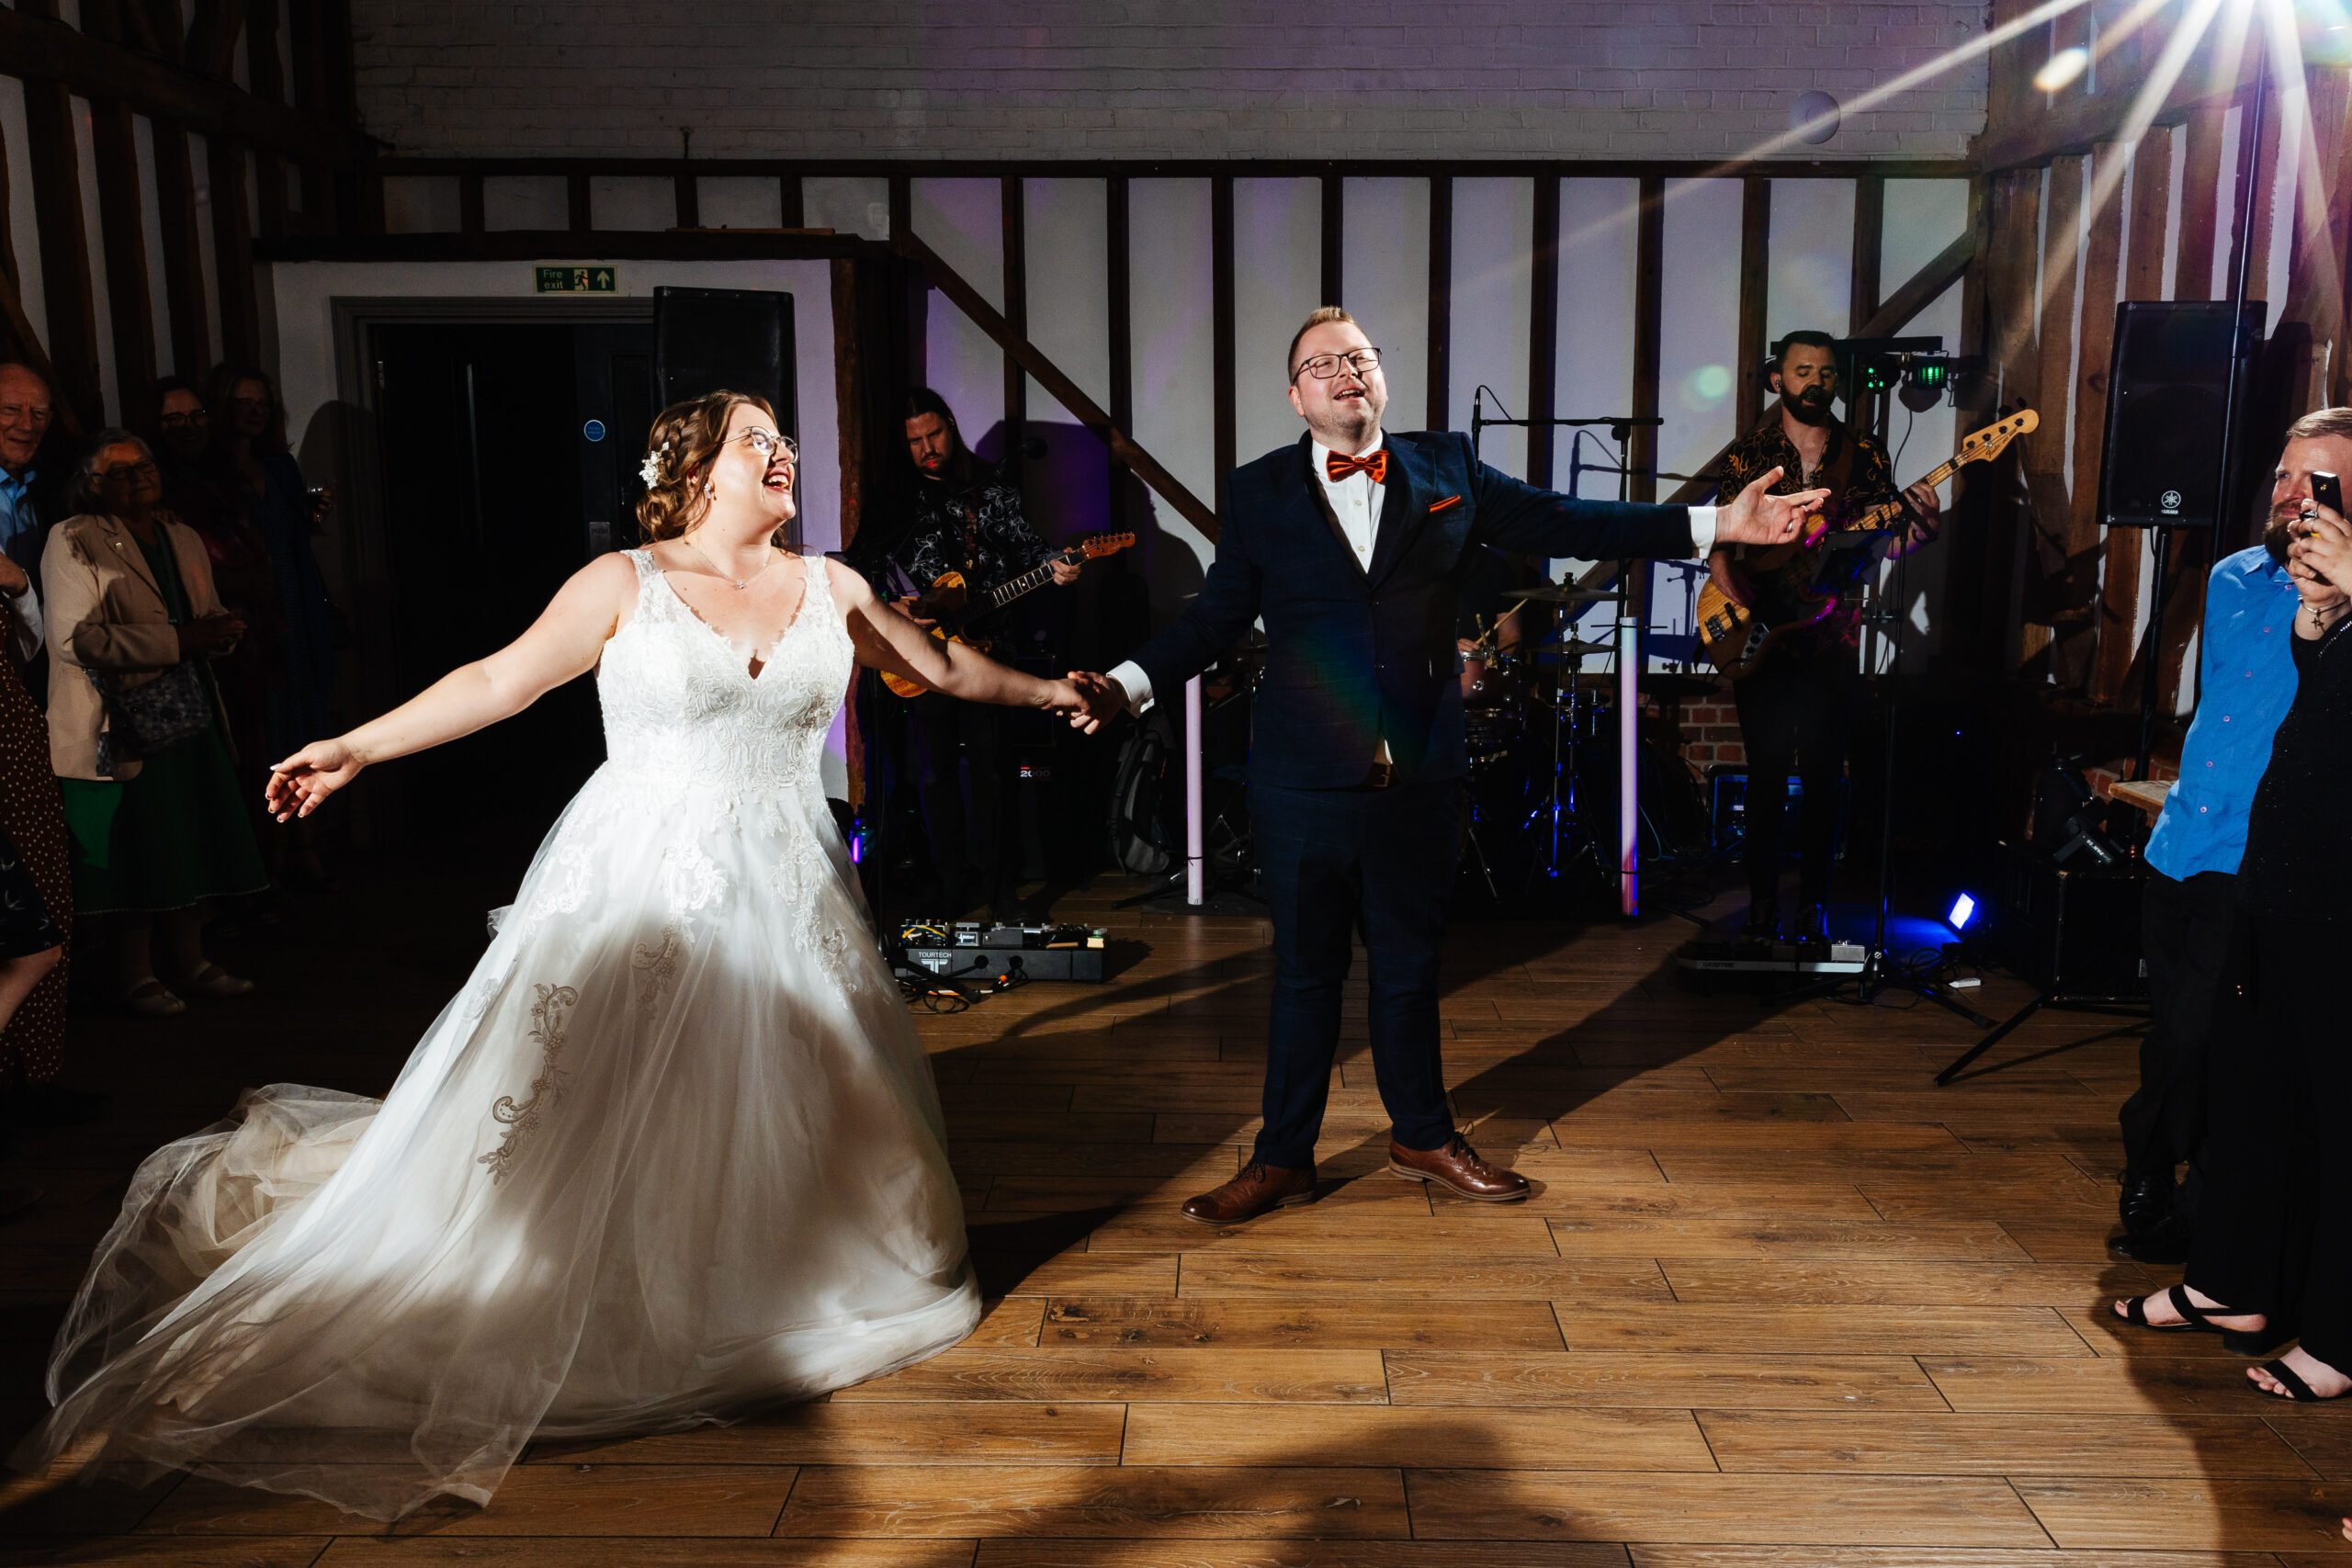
(683, 710)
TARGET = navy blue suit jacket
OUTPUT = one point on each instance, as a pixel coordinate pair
(1360, 653)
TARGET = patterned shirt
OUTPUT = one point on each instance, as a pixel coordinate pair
(975, 527)
(1869, 480)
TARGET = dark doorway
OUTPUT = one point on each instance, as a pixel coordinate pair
(509, 461)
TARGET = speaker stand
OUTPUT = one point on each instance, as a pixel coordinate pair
(2119, 1006)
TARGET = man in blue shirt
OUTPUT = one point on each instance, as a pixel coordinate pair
(2246, 683)
(27, 410)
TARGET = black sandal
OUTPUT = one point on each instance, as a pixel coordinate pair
(2195, 1319)
(2297, 1389)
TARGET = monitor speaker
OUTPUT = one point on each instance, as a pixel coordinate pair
(2168, 379)
(738, 339)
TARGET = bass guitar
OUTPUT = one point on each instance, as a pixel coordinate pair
(951, 603)
(1781, 577)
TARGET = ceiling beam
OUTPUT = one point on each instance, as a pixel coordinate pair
(2083, 121)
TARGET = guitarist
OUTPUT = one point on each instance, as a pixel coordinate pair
(964, 516)
(1796, 708)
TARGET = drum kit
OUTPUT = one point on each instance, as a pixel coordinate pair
(1540, 730)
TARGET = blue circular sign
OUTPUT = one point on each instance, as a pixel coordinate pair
(593, 430)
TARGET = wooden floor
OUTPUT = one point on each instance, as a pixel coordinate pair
(1777, 1299)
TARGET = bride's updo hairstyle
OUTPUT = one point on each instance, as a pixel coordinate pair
(679, 451)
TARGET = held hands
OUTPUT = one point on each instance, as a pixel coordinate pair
(209, 635)
(1755, 518)
(1101, 700)
(301, 783)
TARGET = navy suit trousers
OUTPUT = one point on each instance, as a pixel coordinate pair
(1334, 861)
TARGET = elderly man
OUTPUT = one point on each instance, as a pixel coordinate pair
(27, 498)
(1353, 545)
(2247, 683)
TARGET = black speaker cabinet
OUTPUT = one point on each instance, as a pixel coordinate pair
(740, 339)
(2069, 931)
(2167, 384)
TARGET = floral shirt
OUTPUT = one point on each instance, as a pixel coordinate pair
(1868, 480)
(976, 528)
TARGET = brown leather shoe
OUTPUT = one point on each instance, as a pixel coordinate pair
(1458, 1169)
(1256, 1191)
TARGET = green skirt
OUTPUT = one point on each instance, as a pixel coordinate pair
(171, 837)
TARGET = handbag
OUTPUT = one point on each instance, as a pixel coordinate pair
(159, 713)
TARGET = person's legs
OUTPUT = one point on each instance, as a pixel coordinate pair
(1407, 878)
(1768, 735)
(935, 739)
(1822, 702)
(1310, 848)
(19, 975)
(2184, 928)
(2299, 1003)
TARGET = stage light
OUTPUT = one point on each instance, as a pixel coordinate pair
(2061, 69)
(1963, 909)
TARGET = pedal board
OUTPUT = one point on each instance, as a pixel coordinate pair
(1718, 957)
(985, 950)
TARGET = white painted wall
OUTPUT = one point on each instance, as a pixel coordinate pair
(1172, 326)
(1494, 270)
(964, 221)
(1277, 281)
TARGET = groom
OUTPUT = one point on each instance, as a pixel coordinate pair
(1353, 546)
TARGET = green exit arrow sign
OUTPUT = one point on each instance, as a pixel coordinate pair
(573, 279)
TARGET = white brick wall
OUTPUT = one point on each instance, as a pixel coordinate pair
(1133, 79)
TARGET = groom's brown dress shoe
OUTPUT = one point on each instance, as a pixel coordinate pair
(1458, 1169)
(1257, 1189)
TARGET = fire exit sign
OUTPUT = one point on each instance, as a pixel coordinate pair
(573, 279)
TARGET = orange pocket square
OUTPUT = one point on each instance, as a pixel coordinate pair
(1437, 506)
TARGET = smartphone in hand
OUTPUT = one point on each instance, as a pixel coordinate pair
(2327, 490)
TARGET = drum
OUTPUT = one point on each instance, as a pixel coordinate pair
(1495, 712)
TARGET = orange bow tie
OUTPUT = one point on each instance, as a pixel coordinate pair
(1374, 463)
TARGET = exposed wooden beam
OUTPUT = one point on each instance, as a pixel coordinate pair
(2077, 643)
(2044, 375)
(579, 202)
(1204, 168)
(41, 51)
(2085, 120)
(64, 253)
(181, 238)
(1014, 208)
(212, 36)
(1440, 312)
(1334, 234)
(1543, 330)
(130, 308)
(792, 200)
(563, 244)
(1982, 513)
(268, 84)
(1649, 258)
(232, 252)
(1059, 385)
(1869, 243)
(1755, 279)
(686, 202)
(8, 266)
(2315, 272)
(1222, 350)
(2200, 193)
(471, 216)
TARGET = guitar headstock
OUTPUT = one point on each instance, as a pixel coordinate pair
(1096, 545)
(1985, 445)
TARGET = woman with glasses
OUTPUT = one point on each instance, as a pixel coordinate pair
(672, 1154)
(251, 463)
(135, 732)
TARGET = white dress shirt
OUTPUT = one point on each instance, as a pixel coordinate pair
(1355, 503)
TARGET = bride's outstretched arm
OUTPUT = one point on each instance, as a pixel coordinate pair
(887, 639)
(563, 643)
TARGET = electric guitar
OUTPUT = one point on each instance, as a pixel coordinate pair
(1780, 577)
(949, 600)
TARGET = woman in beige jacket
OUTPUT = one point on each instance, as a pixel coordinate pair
(129, 596)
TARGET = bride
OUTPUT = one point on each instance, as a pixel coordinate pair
(674, 1153)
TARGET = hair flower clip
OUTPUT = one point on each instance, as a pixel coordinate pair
(650, 469)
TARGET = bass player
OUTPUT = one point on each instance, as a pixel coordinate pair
(1796, 708)
(964, 516)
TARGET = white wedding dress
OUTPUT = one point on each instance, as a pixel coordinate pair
(672, 1154)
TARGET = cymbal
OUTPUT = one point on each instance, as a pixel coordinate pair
(1573, 647)
(1563, 593)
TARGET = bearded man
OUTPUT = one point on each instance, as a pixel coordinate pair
(1796, 708)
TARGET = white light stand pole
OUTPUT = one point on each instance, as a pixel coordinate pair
(1195, 831)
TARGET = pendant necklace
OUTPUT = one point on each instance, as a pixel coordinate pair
(739, 584)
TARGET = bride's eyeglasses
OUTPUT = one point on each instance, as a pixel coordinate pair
(767, 444)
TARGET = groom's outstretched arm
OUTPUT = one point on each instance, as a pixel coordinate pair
(1512, 515)
(1225, 608)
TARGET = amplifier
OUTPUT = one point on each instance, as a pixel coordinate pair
(2069, 930)
(970, 949)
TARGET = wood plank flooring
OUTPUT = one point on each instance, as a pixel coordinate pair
(1777, 1300)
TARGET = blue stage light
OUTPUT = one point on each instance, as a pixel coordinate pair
(1963, 909)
